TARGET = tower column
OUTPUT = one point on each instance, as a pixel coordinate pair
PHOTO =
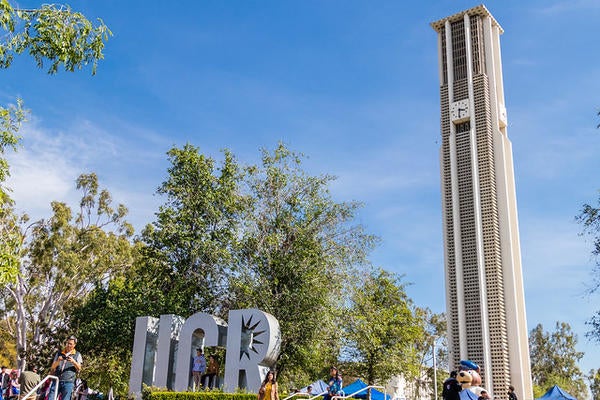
(485, 333)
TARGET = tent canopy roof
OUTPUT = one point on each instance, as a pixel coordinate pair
(556, 393)
(358, 385)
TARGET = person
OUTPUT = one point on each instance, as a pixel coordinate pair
(511, 393)
(483, 395)
(28, 380)
(198, 369)
(268, 388)
(309, 389)
(4, 382)
(212, 370)
(83, 391)
(334, 386)
(66, 364)
(14, 388)
(451, 389)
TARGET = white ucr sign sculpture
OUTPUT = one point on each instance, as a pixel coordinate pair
(163, 349)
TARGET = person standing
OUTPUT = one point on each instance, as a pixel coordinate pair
(511, 393)
(4, 382)
(198, 369)
(268, 389)
(451, 389)
(211, 372)
(66, 364)
(28, 380)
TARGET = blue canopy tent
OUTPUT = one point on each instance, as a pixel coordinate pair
(358, 385)
(556, 393)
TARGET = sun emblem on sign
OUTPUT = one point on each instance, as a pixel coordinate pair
(249, 337)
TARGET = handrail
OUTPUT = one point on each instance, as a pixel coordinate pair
(304, 394)
(39, 385)
(336, 397)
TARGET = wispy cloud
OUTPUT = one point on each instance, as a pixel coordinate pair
(570, 5)
(47, 164)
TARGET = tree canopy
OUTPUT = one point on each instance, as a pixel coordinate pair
(554, 359)
(382, 329)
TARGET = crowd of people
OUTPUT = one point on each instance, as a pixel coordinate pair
(68, 362)
(452, 388)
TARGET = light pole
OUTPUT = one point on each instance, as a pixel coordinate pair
(435, 390)
(434, 371)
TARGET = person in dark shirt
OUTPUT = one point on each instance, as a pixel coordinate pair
(511, 393)
(483, 395)
(452, 388)
(4, 382)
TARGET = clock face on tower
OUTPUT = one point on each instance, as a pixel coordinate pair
(460, 111)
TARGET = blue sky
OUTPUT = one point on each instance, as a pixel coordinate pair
(354, 86)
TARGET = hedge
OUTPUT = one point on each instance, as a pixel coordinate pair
(209, 395)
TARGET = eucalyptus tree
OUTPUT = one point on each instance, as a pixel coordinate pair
(64, 257)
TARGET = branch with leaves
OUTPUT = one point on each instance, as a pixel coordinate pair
(52, 34)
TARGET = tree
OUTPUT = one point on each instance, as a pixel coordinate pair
(192, 244)
(589, 217)
(298, 250)
(594, 380)
(63, 259)
(554, 360)
(382, 329)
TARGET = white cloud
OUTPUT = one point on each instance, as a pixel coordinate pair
(42, 171)
(47, 164)
(560, 7)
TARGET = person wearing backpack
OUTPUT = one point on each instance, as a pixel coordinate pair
(66, 364)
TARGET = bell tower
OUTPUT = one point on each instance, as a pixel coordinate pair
(485, 303)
